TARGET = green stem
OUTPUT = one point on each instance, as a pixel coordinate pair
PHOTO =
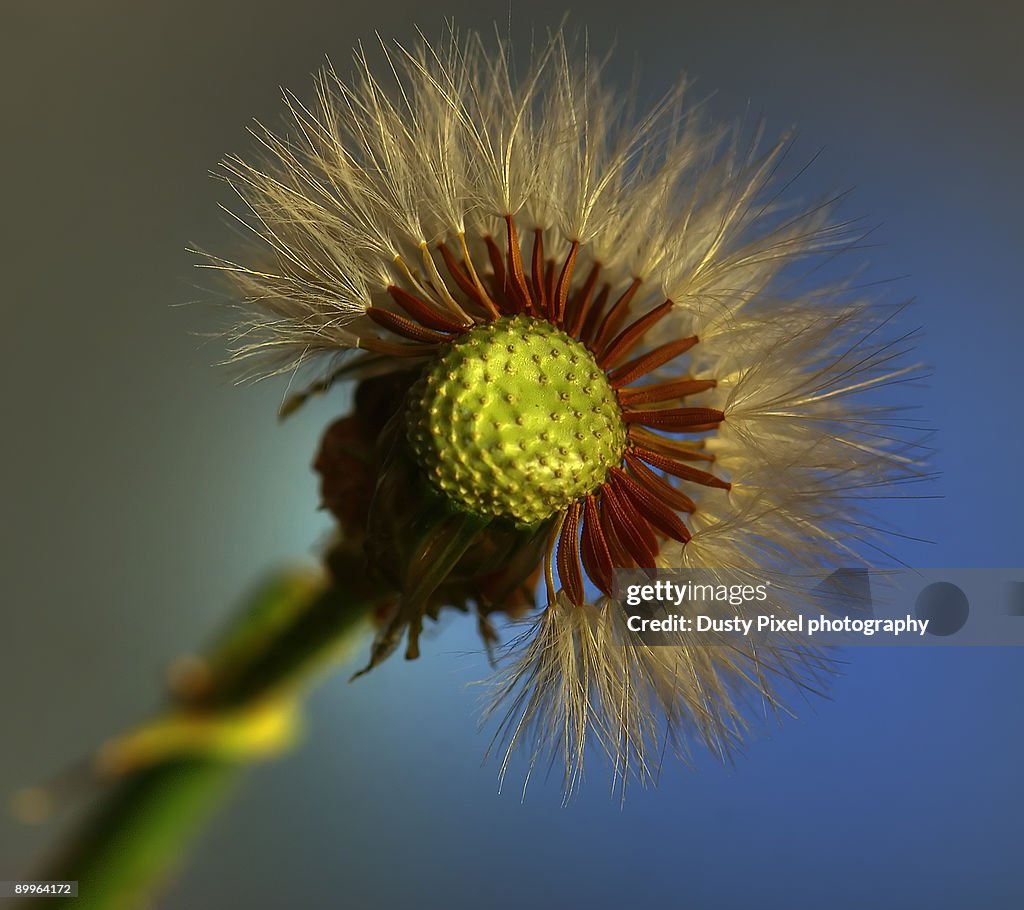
(276, 647)
(136, 838)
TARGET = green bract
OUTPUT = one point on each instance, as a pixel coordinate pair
(515, 420)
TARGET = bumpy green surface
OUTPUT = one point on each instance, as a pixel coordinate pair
(515, 420)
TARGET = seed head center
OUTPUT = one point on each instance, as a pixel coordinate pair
(515, 420)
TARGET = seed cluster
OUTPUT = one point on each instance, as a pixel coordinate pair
(516, 420)
(534, 402)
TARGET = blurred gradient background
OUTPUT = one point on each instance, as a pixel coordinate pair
(143, 494)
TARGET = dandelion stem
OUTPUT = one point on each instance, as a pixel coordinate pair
(285, 638)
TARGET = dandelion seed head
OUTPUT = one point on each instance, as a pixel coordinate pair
(596, 361)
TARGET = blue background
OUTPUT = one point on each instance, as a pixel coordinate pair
(142, 493)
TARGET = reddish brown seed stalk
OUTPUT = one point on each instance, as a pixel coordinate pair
(660, 487)
(497, 267)
(645, 363)
(629, 337)
(594, 315)
(569, 571)
(515, 261)
(675, 419)
(613, 318)
(647, 503)
(680, 449)
(597, 559)
(424, 313)
(577, 310)
(398, 324)
(540, 291)
(561, 295)
(683, 471)
(462, 279)
(665, 391)
(634, 536)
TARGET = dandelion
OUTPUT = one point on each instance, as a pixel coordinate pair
(577, 346)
